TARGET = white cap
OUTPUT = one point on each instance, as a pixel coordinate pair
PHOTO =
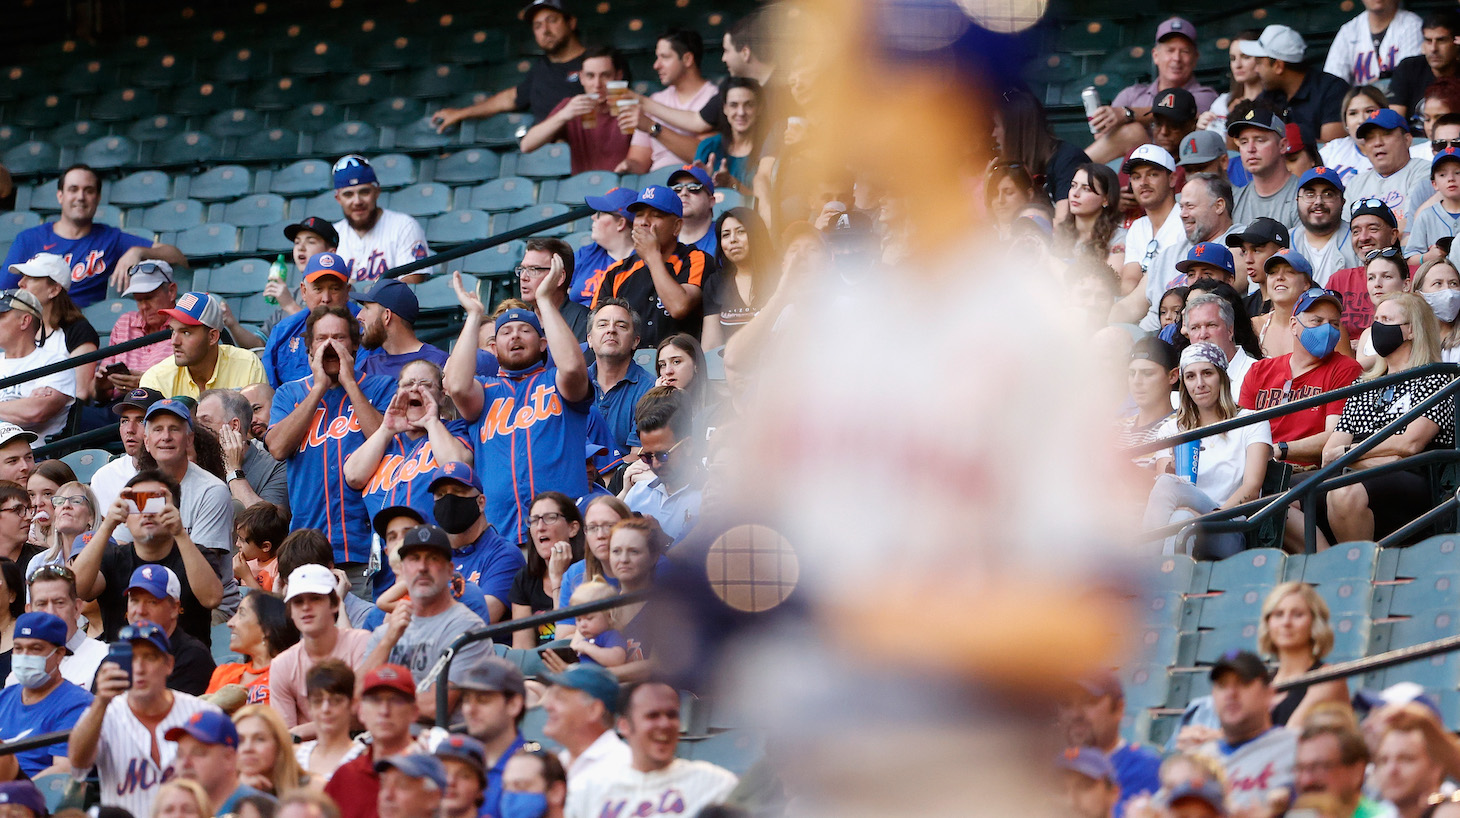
(45, 265)
(1153, 154)
(310, 579)
(1276, 42)
(148, 276)
(9, 432)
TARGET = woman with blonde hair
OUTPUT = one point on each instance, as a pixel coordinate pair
(599, 517)
(182, 798)
(1405, 335)
(73, 513)
(266, 759)
(1295, 629)
(1438, 283)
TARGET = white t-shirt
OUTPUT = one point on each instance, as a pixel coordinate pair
(1218, 111)
(1344, 156)
(683, 788)
(394, 240)
(1352, 58)
(63, 382)
(1237, 367)
(1337, 254)
(1222, 462)
(1171, 234)
(129, 776)
(608, 749)
(107, 485)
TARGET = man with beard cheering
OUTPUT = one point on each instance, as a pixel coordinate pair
(1321, 228)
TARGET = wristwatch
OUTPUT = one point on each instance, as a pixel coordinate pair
(656, 129)
(1129, 115)
(1282, 450)
(236, 474)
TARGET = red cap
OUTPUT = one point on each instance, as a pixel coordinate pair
(394, 677)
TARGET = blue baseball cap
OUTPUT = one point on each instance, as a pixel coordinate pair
(197, 310)
(1087, 761)
(41, 625)
(416, 765)
(1314, 295)
(353, 170)
(1208, 252)
(1320, 174)
(1294, 260)
(615, 201)
(144, 631)
(456, 472)
(327, 264)
(394, 295)
(1443, 156)
(207, 726)
(697, 173)
(1386, 118)
(594, 680)
(25, 794)
(157, 580)
(525, 316)
(464, 748)
(660, 198)
(171, 406)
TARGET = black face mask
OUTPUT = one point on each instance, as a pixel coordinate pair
(456, 514)
(1386, 338)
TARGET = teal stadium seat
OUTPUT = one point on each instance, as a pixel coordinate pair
(501, 130)
(1240, 605)
(280, 94)
(256, 210)
(1257, 566)
(240, 65)
(548, 162)
(220, 183)
(87, 77)
(274, 143)
(394, 170)
(1436, 555)
(396, 53)
(86, 462)
(494, 261)
(271, 238)
(10, 137)
(123, 103)
(645, 359)
(358, 89)
(243, 277)
(110, 214)
(33, 157)
(1211, 644)
(1345, 561)
(43, 111)
(1145, 686)
(427, 199)
(307, 176)
(200, 99)
(1423, 595)
(504, 194)
(145, 187)
(635, 33)
(476, 46)
(221, 653)
(55, 786)
(348, 137)
(735, 750)
(438, 82)
(167, 70)
(312, 117)
(570, 191)
(468, 166)
(187, 148)
(421, 135)
(435, 293)
(1430, 626)
(234, 122)
(1094, 37)
(320, 57)
(103, 314)
(211, 239)
(155, 128)
(322, 205)
(725, 199)
(582, 238)
(527, 216)
(395, 112)
(43, 196)
(458, 226)
(1350, 635)
(173, 216)
(12, 223)
(110, 152)
(76, 134)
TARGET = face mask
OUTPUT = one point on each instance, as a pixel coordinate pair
(30, 671)
(523, 805)
(456, 514)
(1386, 338)
(1445, 303)
(1319, 340)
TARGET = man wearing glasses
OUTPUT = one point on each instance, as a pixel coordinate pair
(536, 263)
(667, 481)
(1321, 234)
(38, 405)
(1372, 226)
(697, 195)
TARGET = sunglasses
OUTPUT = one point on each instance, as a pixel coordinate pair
(1383, 252)
(1366, 202)
(660, 457)
(692, 187)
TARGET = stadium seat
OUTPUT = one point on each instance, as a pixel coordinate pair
(122, 103)
(167, 70)
(234, 122)
(435, 293)
(396, 53)
(549, 161)
(1145, 686)
(1426, 628)
(395, 112)
(323, 205)
(155, 128)
(458, 226)
(312, 117)
(275, 143)
(221, 653)
(86, 461)
(76, 134)
(438, 81)
(110, 214)
(280, 94)
(477, 46)
(571, 190)
(87, 77)
(1346, 561)
(1257, 566)
(307, 176)
(348, 137)
(645, 359)
(501, 131)
(1240, 605)
(256, 210)
(110, 152)
(243, 277)
(200, 99)
(55, 786)
(1434, 673)
(502, 194)
(428, 199)
(145, 187)
(421, 135)
(1436, 555)
(239, 65)
(527, 216)
(42, 111)
(1347, 595)
(33, 157)
(635, 33)
(493, 261)
(173, 216)
(10, 137)
(219, 183)
(1425, 594)
(187, 148)
(1156, 643)
(208, 240)
(582, 238)
(394, 170)
(735, 750)
(271, 238)
(320, 57)
(43, 196)
(12, 223)
(358, 89)
(1350, 636)
(103, 314)
(468, 166)
(1211, 644)
(725, 199)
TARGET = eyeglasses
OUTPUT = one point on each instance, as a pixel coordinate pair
(416, 385)
(550, 518)
(599, 528)
(1328, 194)
(522, 270)
(660, 457)
(692, 187)
(20, 511)
(1383, 252)
(57, 501)
(1368, 201)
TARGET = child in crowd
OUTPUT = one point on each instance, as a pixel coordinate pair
(596, 641)
(1438, 220)
(260, 529)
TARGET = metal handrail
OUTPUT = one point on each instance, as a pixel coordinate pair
(490, 241)
(85, 358)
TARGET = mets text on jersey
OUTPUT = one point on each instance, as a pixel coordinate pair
(395, 469)
(141, 775)
(337, 429)
(95, 264)
(670, 802)
(503, 418)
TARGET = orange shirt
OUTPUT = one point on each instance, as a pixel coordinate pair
(232, 674)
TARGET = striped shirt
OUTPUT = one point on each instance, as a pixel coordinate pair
(631, 280)
(128, 326)
(1352, 57)
(129, 776)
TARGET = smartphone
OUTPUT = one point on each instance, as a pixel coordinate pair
(568, 655)
(120, 653)
(146, 503)
(117, 368)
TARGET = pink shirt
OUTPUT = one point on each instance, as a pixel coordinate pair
(129, 326)
(663, 157)
(287, 672)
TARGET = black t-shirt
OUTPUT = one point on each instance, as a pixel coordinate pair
(547, 83)
(1059, 170)
(527, 590)
(1317, 102)
(192, 666)
(631, 280)
(117, 565)
(1412, 77)
(80, 332)
(722, 299)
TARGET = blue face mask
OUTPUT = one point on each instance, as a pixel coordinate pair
(1319, 340)
(523, 805)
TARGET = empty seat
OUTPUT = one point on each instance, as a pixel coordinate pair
(313, 117)
(173, 216)
(429, 199)
(1257, 566)
(527, 216)
(394, 170)
(1435, 555)
(468, 166)
(10, 137)
(497, 260)
(324, 205)
(12, 223)
(155, 128)
(506, 193)
(234, 122)
(33, 157)
(421, 135)
(306, 176)
(348, 137)
(1237, 606)
(109, 152)
(123, 103)
(256, 210)
(735, 750)
(1211, 644)
(43, 111)
(398, 52)
(582, 238)
(502, 130)
(104, 314)
(243, 277)
(458, 226)
(438, 81)
(280, 94)
(1345, 561)
(591, 183)
(1350, 636)
(163, 71)
(239, 64)
(145, 187)
(87, 77)
(395, 112)
(726, 199)
(320, 57)
(477, 46)
(200, 99)
(635, 33)
(222, 182)
(549, 161)
(1425, 594)
(76, 134)
(436, 293)
(86, 462)
(271, 238)
(109, 214)
(187, 148)
(359, 89)
(275, 143)
(208, 240)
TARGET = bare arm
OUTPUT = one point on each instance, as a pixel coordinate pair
(1130, 277)
(34, 409)
(684, 120)
(525, 639)
(1133, 307)
(1257, 456)
(1331, 131)
(498, 103)
(90, 584)
(360, 466)
(395, 626)
(85, 374)
(637, 161)
(551, 129)
(572, 382)
(285, 436)
(446, 447)
(460, 375)
(712, 335)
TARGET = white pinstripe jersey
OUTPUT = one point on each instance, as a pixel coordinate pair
(619, 791)
(129, 777)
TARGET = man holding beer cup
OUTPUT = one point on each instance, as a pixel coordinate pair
(587, 122)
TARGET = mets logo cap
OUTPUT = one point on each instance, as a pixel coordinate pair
(326, 264)
(660, 198)
(207, 726)
(456, 472)
(157, 580)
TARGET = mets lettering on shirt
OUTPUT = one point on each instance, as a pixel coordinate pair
(336, 429)
(141, 775)
(397, 469)
(371, 268)
(670, 802)
(501, 418)
(94, 265)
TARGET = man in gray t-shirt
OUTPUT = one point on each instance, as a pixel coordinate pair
(1401, 183)
(1261, 139)
(416, 633)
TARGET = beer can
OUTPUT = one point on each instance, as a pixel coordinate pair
(1091, 98)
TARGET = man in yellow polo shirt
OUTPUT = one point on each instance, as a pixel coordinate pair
(198, 361)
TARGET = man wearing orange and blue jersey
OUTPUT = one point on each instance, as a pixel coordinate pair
(315, 423)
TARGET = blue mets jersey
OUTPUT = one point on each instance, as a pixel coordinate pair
(491, 562)
(91, 257)
(406, 471)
